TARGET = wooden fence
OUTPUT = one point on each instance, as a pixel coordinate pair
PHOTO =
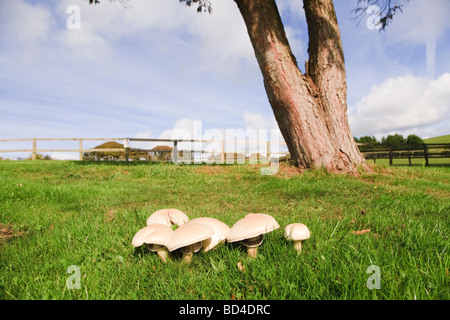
(177, 155)
(409, 152)
(370, 152)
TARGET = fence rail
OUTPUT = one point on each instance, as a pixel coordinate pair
(416, 151)
(176, 153)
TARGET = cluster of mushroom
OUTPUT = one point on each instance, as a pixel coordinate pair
(205, 233)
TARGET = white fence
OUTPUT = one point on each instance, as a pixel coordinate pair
(182, 150)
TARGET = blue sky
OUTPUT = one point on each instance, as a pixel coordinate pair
(158, 66)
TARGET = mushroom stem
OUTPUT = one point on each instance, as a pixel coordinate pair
(252, 245)
(188, 252)
(298, 245)
(163, 253)
(252, 252)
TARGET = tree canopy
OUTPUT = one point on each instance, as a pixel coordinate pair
(391, 140)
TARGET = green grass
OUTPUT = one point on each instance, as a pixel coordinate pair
(440, 139)
(55, 214)
(438, 162)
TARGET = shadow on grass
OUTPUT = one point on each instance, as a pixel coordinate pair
(433, 165)
(143, 163)
(119, 163)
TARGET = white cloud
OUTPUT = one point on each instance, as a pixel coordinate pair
(187, 129)
(218, 40)
(291, 7)
(259, 121)
(184, 129)
(403, 105)
(423, 23)
(420, 21)
(24, 27)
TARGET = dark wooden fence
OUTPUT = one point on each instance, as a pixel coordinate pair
(418, 151)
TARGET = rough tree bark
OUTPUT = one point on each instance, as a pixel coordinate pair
(310, 108)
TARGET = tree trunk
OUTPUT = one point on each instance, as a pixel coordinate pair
(311, 108)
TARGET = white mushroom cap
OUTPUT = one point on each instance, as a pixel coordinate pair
(220, 228)
(158, 234)
(252, 225)
(296, 232)
(189, 234)
(168, 217)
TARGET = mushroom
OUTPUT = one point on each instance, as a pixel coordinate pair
(157, 237)
(220, 228)
(168, 217)
(188, 238)
(296, 232)
(250, 231)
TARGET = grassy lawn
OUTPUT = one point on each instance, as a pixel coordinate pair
(437, 162)
(57, 214)
(441, 139)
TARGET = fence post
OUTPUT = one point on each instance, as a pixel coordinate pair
(223, 151)
(175, 152)
(390, 156)
(126, 145)
(33, 154)
(425, 149)
(80, 148)
(409, 155)
(268, 150)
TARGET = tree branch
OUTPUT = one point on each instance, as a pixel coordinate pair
(388, 9)
(122, 2)
(203, 5)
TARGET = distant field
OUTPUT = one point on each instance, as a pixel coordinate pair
(441, 139)
(56, 215)
(422, 162)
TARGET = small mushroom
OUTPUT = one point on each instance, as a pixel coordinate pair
(157, 237)
(220, 228)
(168, 217)
(188, 238)
(296, 232)
(250, 231)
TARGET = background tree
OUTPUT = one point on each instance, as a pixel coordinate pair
(367, 143)
(413, 139)
(161, 153)
(368, 140)
(105, 155)
(39, 157)
(392, 140)
(133, 153)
